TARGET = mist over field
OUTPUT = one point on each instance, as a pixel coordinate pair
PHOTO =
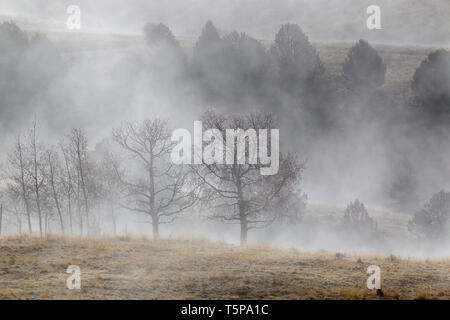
(404, 21)
(366, 128)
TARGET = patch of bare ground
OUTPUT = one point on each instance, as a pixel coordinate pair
(139, 268)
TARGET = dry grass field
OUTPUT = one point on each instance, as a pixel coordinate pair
(139, 268)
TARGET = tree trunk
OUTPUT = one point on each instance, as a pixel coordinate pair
(55, 195)
(69, 190)
(19, 223)
(244, 230)
(83, 189)
(80, 222)
(155, 223)
(22, 182)
(38, 204)
(36, 180)
(155, 218)
(69, 209)
(58, 208)
(242, 215)
(113, 217)
(80, 216)
(87, 209)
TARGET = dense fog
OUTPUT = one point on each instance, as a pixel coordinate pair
(368, 163)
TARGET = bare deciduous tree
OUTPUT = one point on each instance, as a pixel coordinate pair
(17, 180)
(67, 182)
(159, 189)
(35, 171)
(77, 149)
(111, 186)
(53, 178)
(238, 193)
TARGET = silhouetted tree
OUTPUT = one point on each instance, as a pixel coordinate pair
(160, 35)
(68, 182)
(296, 60)
(402, 188)
(29, 64)
(208, 63)
(433, 221)
(431, 82)
(207, 41)
(363, 69)
(238, 193)
(77, 149)
(358, 224)
(111, 184)
(247, 67)
(159, 189)
(36, 171)
(167, 58)
(233, 69)
(18, 180)
(53, 176)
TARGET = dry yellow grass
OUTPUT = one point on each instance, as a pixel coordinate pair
(138, 268)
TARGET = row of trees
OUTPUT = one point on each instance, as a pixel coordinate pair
(68, 186)
(47, 182)
(225, 70)
(65, 186)
(236, 67)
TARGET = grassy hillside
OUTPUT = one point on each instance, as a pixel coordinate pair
(132, 268)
